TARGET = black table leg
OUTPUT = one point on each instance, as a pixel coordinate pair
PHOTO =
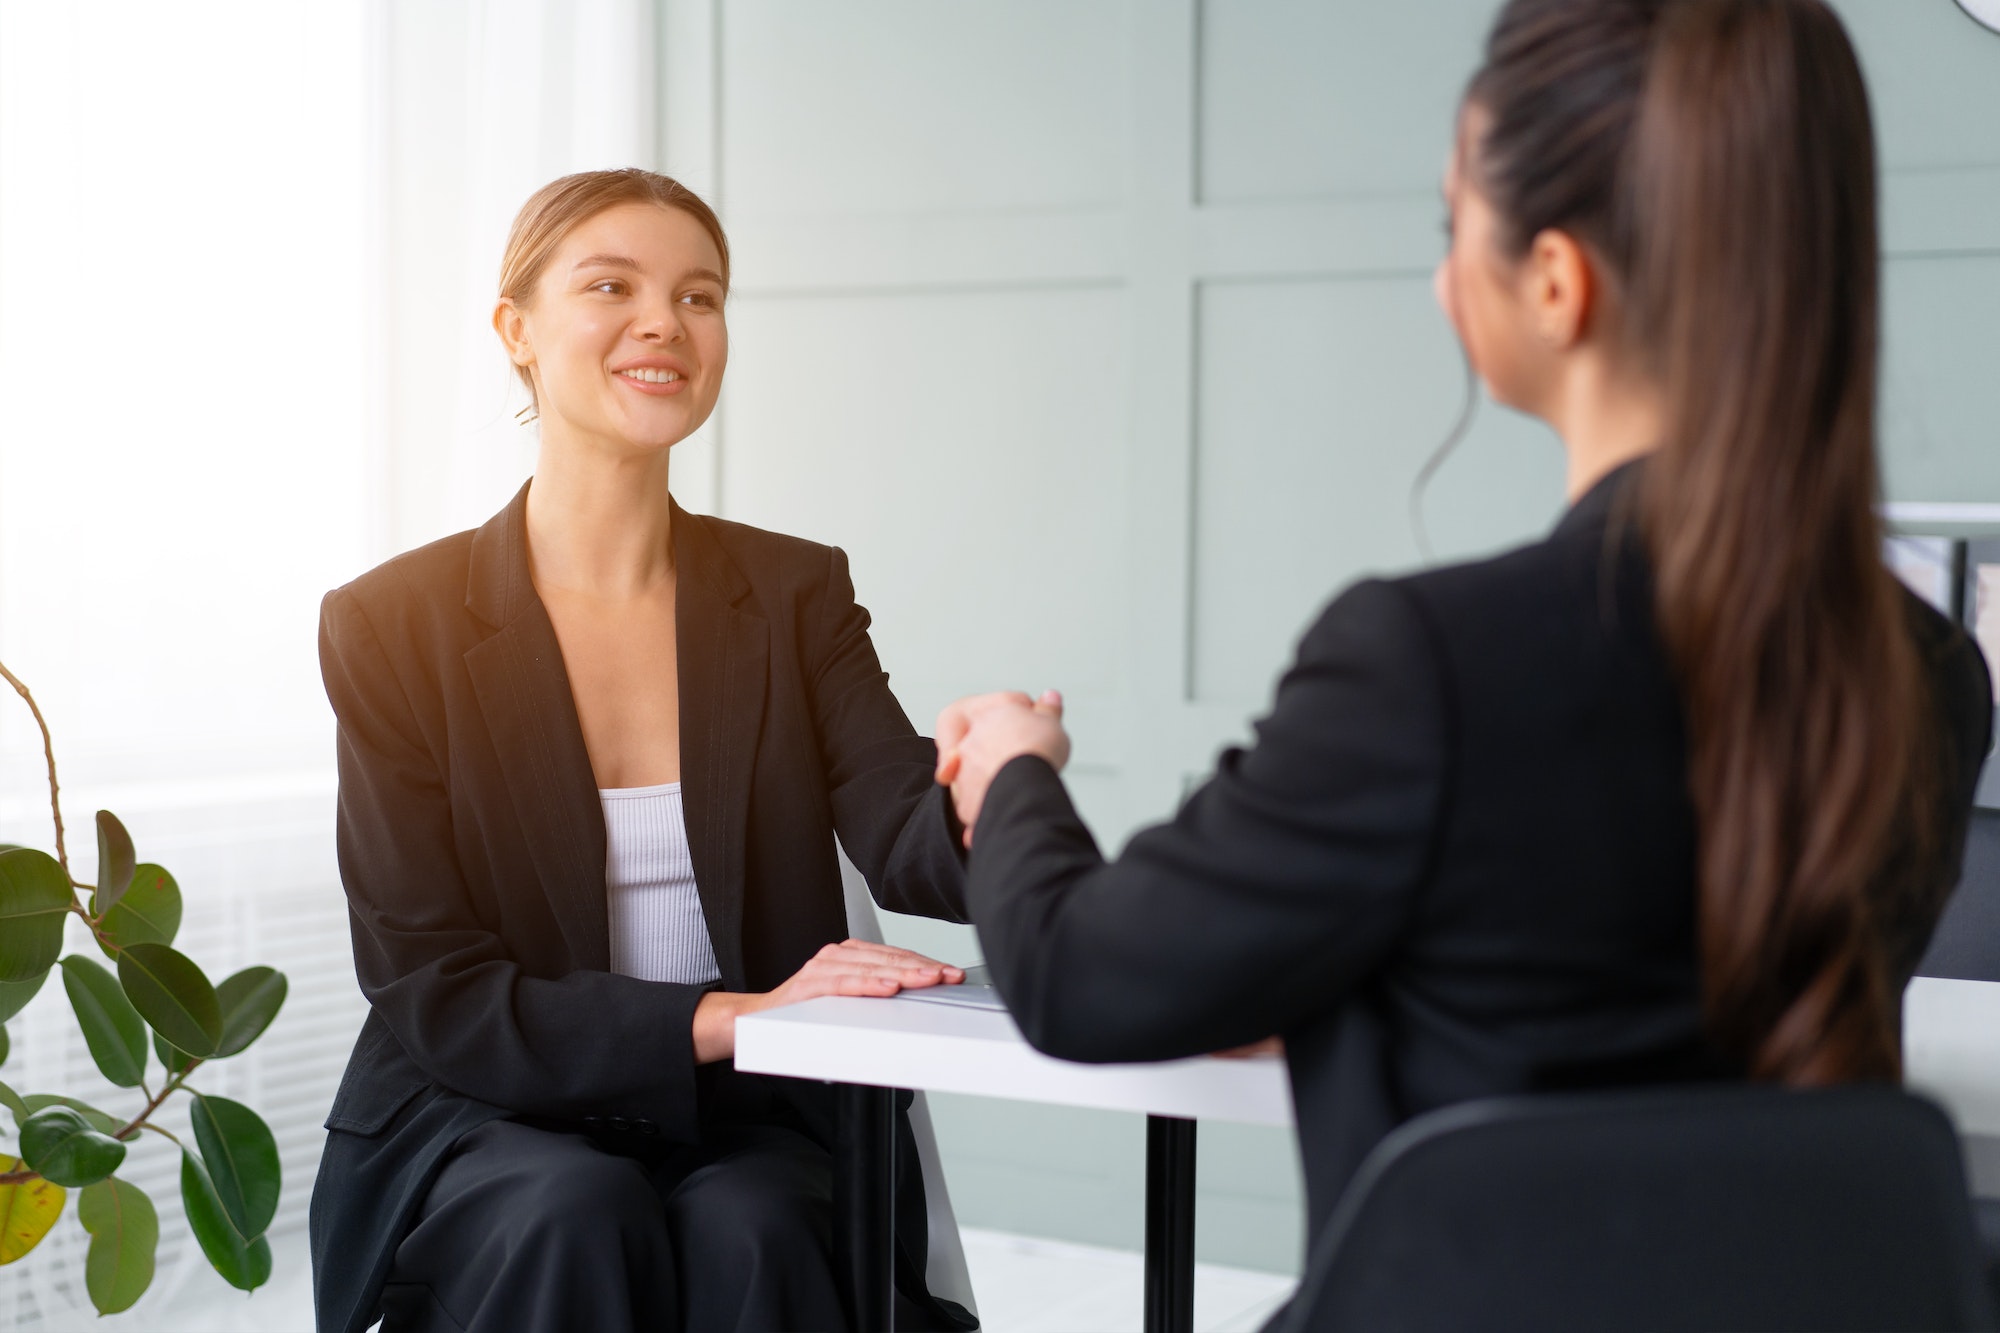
(1169, 1225)
(1961, 574)
(864, 1193)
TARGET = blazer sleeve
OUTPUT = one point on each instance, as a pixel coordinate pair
(893, 820)
(1279, 885)
(587, 1044)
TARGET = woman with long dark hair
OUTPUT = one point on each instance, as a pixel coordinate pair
(1677, 792)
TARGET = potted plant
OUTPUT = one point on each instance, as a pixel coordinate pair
(146, 1000)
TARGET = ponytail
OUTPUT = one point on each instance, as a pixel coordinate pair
(1717, 157)
(1751, 191)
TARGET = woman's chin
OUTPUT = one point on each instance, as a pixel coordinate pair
(659, 430)
(647, 437)
(623, 434)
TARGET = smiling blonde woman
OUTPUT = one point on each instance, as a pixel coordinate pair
(594, 758)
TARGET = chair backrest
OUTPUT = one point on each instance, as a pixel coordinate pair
(1699, 1208)
(945, 1269)
(1966, 944)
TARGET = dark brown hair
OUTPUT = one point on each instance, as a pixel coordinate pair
(1717, 158)
(566, 203)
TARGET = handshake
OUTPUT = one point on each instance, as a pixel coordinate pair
(979, 735)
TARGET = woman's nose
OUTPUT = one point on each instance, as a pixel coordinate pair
(660, 326)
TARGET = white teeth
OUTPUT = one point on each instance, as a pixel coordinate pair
(649, 376)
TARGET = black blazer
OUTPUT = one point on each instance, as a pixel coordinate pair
(1458, 861)
(472, 849)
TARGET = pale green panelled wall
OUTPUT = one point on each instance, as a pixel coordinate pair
(1100, 334)
(1935, 78)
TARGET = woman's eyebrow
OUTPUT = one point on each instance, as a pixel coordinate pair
(605, 261)
(621, 261)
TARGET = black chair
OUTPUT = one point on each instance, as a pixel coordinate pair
(1966, 943)
(1699, 1208)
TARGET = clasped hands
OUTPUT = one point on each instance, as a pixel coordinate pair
(980, 735)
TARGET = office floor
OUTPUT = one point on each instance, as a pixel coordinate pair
(1025, 1285)
(1028, 1285)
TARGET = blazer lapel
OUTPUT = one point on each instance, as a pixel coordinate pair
(523, 691)
(724, 650)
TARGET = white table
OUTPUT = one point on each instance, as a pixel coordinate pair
(1951, 1042)
(914, 1042)
(1951, 1051)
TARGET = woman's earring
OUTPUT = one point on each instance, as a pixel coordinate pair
(527, 414)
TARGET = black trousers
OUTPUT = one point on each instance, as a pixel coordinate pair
(529, 1229)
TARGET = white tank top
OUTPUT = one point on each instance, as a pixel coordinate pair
(657, 930)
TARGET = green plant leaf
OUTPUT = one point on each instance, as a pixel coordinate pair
(27, 1211)
(175, 1061)
(14, 995)
(98, 1120)
(242, 1161)
(112, 1028)
(250, 1000)
(58, 1142)
(34, 896)
(124, 1232)
(115, 861)
(173, 996)
(12, 1101)
(245, 1265)
(149, 913)
(6, 1044)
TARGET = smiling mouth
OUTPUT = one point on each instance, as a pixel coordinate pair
(649, 376)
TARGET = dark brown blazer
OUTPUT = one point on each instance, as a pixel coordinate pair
(471, 844)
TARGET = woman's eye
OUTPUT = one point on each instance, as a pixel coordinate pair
(698, 298)
(610, 287)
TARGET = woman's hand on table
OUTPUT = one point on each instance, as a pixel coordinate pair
(980, 735)
(852, 967)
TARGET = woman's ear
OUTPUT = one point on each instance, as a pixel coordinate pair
(513, 330)
(1559, 289)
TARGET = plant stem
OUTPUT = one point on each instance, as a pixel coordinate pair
(166, 1134)
(172, 1085)
(139, 1122)
(48, 749)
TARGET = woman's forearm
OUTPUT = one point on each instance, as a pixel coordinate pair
(715, 1024)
